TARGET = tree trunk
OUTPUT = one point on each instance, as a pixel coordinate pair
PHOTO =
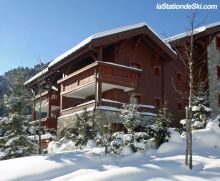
(187, 137)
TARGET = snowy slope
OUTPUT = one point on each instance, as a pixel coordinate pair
(166, 163)
(86, 165)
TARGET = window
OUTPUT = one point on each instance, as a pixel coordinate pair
(180, 106)
(218, 42)
(218, 72)
(135, 65)
(156, 71)
(179, 76)
(157, 102)
(218, 100)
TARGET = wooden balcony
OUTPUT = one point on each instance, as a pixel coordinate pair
(78, 108)
(104, 104)
(105, 72)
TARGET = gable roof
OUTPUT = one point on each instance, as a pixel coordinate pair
(37, 76)
(163, 44)
(104, 34)
(196, 31)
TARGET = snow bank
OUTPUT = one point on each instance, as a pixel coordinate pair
(214, 126)
(84, 165)
(91, 144)
(88, 164)
(203, 138)
(63, 145)
(174, 144)
(208, 137)
(66, 145)
(52, 147)
(60, 146)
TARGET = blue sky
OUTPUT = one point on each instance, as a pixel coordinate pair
(31, 30)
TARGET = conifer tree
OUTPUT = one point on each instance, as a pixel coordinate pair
(15, 141)
(162, 123)
(130, 114)
(200, 108)
(86, 128)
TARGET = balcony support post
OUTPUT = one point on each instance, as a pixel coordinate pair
(99, 54)
(49, 109)
(98, 88)
(99, 92)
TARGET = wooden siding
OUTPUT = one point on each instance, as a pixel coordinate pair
(106, 72)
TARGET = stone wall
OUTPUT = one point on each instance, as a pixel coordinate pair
(105, 116)
(214, 82)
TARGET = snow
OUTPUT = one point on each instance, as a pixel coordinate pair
(119, 110)
(166, 163)
(196, 31)
(86, 165)
(38, 75)
(112, 101)
(103, 34)
(43, 136)
(183, 121)
(147, 106)
(5, 120)
(148, 114)
(89, 102)
(196, 108)
(141, 105)
(78, 112)
(63, 145)
(11, 141)
(93, 37)
(207, 109)
(119, 65)
(109, 108)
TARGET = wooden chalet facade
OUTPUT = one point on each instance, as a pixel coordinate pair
(206, 61)
(99, 73)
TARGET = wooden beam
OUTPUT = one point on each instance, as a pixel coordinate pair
(99, 54)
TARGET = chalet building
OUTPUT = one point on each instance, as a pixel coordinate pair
(206, 60)
(100, 71)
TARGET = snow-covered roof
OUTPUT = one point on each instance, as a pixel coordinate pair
(196, 31)
(38, 75)
(96, 36)
(103, 34)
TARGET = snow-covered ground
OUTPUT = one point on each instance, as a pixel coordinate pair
(166, 163)
(86, 165)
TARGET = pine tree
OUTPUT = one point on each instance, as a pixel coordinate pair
(103, 132)
(19, 99)
(130, 114)
(15, 141)
(86, 128)
(200, 108)
(162, 123)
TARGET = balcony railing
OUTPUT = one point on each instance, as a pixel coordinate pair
(105, 104)
(78, 108)
(105, 71)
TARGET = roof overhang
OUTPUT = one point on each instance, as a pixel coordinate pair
(198, 33)
(92, 42)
